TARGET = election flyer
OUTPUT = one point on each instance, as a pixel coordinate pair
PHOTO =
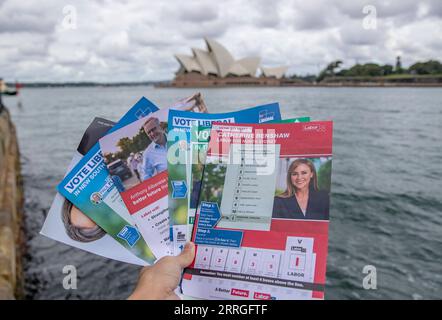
(136, 157)
(139, 162)
(261, 225)
(67, 224)
(199, 140)
(179, 166)
(93, 191)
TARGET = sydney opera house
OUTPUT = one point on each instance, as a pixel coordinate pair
(217, 67)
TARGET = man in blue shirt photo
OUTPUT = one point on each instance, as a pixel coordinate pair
(155, 155)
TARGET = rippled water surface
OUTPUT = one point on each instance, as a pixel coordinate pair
(386, 207)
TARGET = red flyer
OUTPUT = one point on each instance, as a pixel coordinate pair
(261, 226)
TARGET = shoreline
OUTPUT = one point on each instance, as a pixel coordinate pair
(298, 85)
(308, 85)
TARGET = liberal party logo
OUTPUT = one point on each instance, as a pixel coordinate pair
(265, 116)
(130, 234)
(142, 112)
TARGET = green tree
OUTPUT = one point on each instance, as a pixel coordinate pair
(366, 70)
(141, 140)
(136, 144)
(125, 145)
(428, 67)
(387, 69)
(329, 70)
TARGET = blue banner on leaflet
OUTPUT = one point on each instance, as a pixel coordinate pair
(130, 234)
(218, 237)
(206, 234)
(209, 215)
(179, 189)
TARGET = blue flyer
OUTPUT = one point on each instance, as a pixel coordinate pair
(92, 190)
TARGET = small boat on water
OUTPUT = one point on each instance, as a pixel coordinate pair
(10, 93)
(5, 90)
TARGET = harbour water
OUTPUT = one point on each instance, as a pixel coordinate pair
(386, 203)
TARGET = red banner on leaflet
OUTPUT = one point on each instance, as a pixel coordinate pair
(309, 138)
(145, 193)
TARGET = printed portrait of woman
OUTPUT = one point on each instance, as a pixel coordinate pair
(79, 227)
(302, 199)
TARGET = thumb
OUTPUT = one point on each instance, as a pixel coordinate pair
(185, 258)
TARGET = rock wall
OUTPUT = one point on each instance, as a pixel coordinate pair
(11, 212)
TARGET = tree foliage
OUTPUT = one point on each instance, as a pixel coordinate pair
(367, 70)
(428, 67)
(137, 144)
(329, 70)
(431, 67)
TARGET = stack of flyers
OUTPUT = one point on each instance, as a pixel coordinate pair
(68, 223)
(181, 183)
(88, 213)
(91, 190)
(251, 190)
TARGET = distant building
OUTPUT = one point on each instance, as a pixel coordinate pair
(217, 67)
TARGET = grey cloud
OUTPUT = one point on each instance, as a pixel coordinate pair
(384, 9)
(22, 16)
(306, 23)
(402, 11)
(32, 47)
(267, 14)
(320, 14)
(136, 40)
(199, 13)
(313, 15)
(19, 22)
(353, 33)
(435, 8)
(148, 35)
(212, 29)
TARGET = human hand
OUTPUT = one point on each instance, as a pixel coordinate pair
(158, 282)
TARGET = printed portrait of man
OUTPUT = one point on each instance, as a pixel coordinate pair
(96, 198)
(155, 155)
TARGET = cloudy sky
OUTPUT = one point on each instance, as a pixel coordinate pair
(104, 40)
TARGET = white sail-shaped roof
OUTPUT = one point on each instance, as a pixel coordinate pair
(206, 61)
(218, 61)
(189, 63)
(251, 64)
(237, 69)
(223, 58)
(277, 72)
